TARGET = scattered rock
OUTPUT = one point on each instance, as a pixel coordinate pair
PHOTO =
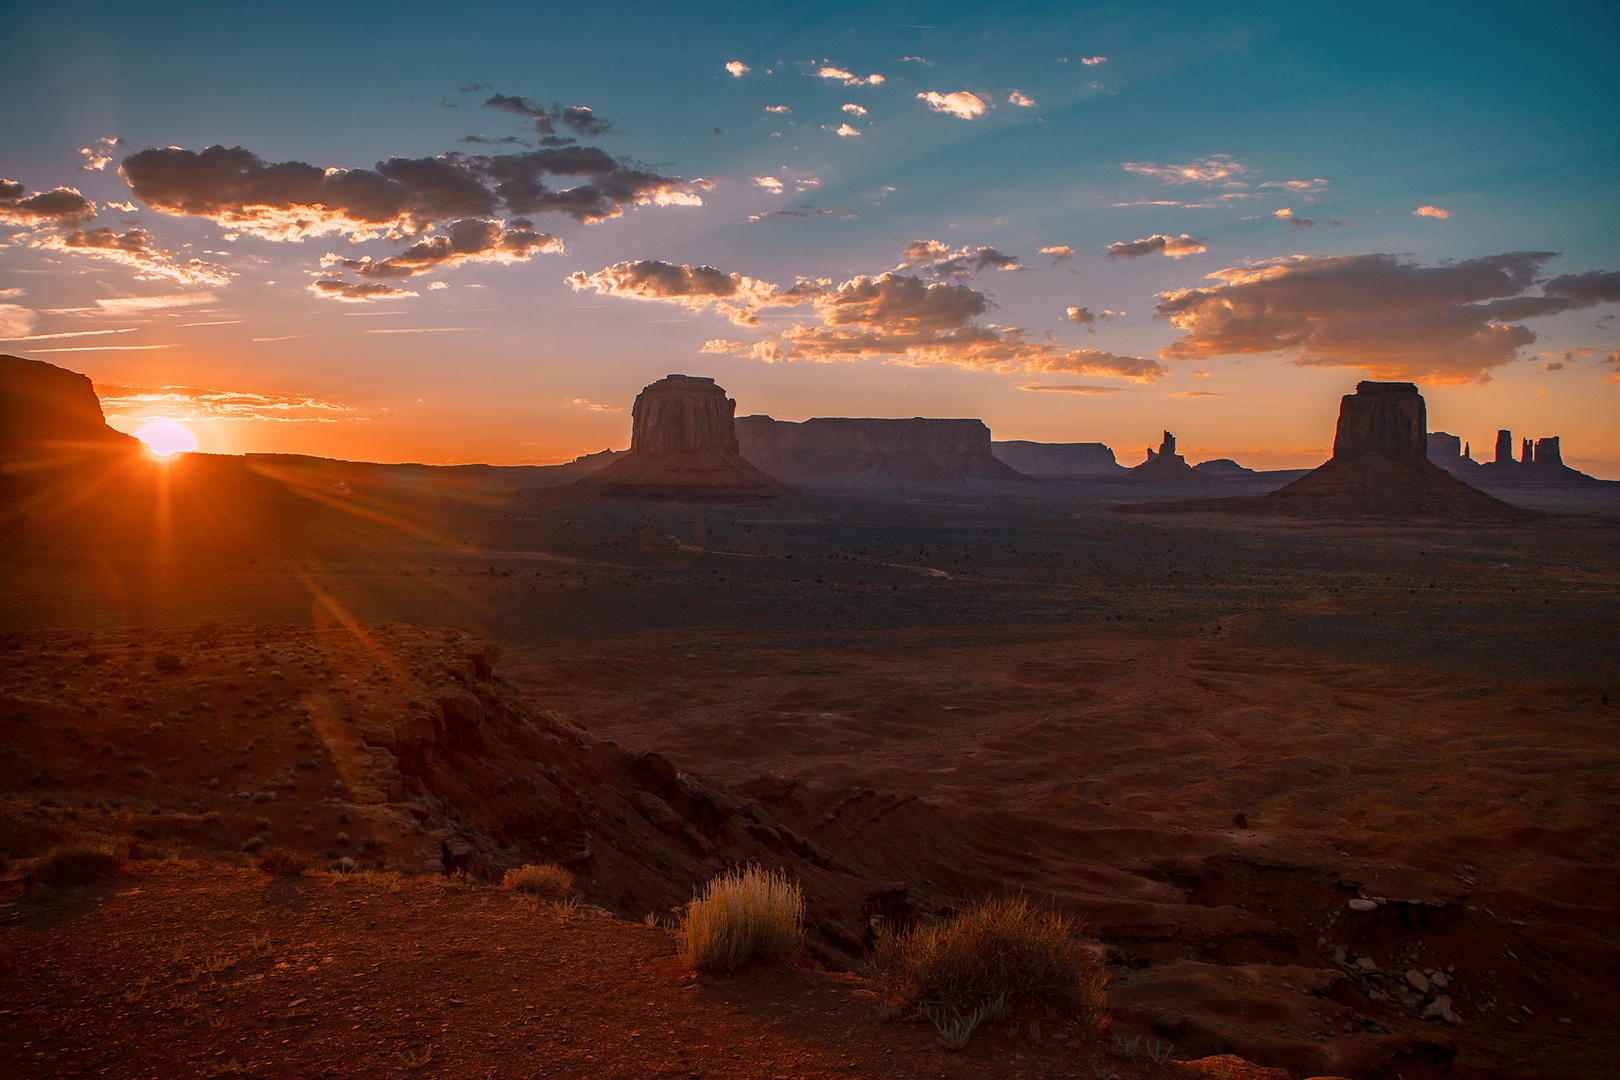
(1440, 1009)
(658, 812)
(1416, 981)
(1361, 904)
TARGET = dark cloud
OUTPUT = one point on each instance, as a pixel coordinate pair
(467, 240)
(805, 211)
(338, 289)
(59, 207)
(1396, 319)
(485, 140)
(1174, 246)
(398, 197)
(1293, 219)
(938, 258)
(1081, 315)
(576, 118)
(696, 288)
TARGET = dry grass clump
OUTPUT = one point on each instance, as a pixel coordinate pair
(281, 863)
(962, 972)
(547, 879)
(75, 865)
(741, 914)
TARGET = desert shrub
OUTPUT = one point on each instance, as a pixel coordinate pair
(547, 879)
(743, 913)
(962, 971)
(279, 862)
(75, 865)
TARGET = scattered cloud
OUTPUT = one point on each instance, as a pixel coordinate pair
(738, 69)
(961, 104)
(58, 208)
(134, 249)
(1177, 247)
(16, 322)
(804, 211)
(1059, 252)
(1074, 388)
(1091, 61)
(136, 305)
(99, 156)
(1305, 189)
(196, 403)
(697, 288)
(1293, 219)
(1016, 98)
(467, 240)
(1196, 393)
(769, 183)
(73, 334)
(783, 109)
(594, 406)
(1449, 323)
(854, 109)
(577, 118)
(845, 130)
(1209, 170)
(848, 78)
(1431, 211)
(938, 258)
(916, 60)
(399, 197)
(355, 293)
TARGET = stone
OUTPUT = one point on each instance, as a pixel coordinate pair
(1416, 980)
(769, 837)
(1440, 1009)
(840, 935)
(919, 449)
(655, 769)
(43, 406)
(658, 812)
(463, 713)
(683, 444)
(1439, 979)
(1362, 904)
(1366, 963)
(482, 656)
(1057, 459)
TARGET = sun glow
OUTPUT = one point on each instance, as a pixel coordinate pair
(165, 437)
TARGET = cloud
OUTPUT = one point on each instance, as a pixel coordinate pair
(848, 78)
(1090, 61)
(769, 183)
(939, 259)
(59, 207)
(467, 240)
(1431, 211)
(696, 288)
(854, 109)
(1393, 318)
(1015, 98)
(1081, 315)
(960, 104)
(98, 157)
(1058, 253)
(577, 118)
(783, 109)
(399, 197)
(1303, 188)
(1293, 219)
(1196, 393)
(196, 403)
(845, 130)
(1207, 170)
(1072, 388)
(355, 293)
(135, 305)
(916, 60)
(16, 322)
(134, 249)
(594, 406)
(1176, 247)
(738, 69)
(804, 211)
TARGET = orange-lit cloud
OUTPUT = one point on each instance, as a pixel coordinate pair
(1176, 247)
(1196, 393)
(844, 130)
(961, 104)
(1431, 211)
(1293, 219)
(1074, 388)
(399, 197)
(98, 157)
(1394, 318)
(738, 69)
(467, 240)
(854, 109)
(848, 78)
(939, 259)
(59, 207)
(1305, 189)
(1058, 252)
(136, 305)
(134, 249)
(1021, 100)
(196, 403)
(16, 322)
(1209, 170)
(354, 292)
(1091, 60)
(696, 288)
(778, 109)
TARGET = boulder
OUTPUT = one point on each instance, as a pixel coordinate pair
(921, 449)
(683, 445)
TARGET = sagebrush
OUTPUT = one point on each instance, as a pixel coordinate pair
(963, 970)
(546, 879)
(281, 863)
(743, 914)
(75, 865)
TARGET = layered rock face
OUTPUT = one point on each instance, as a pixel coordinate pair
(1057, 459)
(683, 444)
(43, 406)
(920, 449)
(1166, 466)
(1385, 418)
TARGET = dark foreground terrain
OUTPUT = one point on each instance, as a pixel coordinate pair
(1305, 783)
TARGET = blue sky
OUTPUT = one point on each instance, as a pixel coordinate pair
(1286, 149)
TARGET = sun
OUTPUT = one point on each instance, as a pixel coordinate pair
(165, 437)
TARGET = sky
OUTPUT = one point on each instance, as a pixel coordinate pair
(473, 232)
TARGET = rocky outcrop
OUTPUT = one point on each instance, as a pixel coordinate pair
(1383, 418)
(1057, 459)
(919, 449)
(1224, 468)
(1540, 463)
(1165, 466)
(683, 445)
(46, 407)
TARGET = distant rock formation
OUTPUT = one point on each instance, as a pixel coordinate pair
(1057, 459)
(1165, 466)
(44, 407)
(920, 449)
(1224, 468)
(683, 444)
(1540, 463)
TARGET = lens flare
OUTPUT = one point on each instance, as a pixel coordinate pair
(165, 437)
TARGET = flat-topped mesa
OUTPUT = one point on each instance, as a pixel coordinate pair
(1057, 459)
(1385, 418)
(919, 449)
(683, 444)
(43, 406)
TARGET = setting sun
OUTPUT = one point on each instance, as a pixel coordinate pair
(165, 437)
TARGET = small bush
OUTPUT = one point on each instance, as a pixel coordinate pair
(75, 865)
(742, 914)
(962, 971)
(281, 863)
(547, 879)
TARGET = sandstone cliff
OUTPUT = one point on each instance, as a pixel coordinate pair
(1165, 466)
(46, 407)
(1057, 459)
(919, 449)
(683, 445)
